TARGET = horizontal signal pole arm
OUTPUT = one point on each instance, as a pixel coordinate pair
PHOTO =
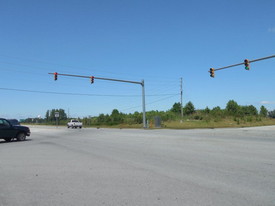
(244, 63)
(101, 78)
(233, 65)
(255, 60)
(119, 80)
(116, 80)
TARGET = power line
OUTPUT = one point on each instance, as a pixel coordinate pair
(76, 67)
(159, 100)
(81, 94)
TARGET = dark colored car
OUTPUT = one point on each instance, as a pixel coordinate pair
(8, 131)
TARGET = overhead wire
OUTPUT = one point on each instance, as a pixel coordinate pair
(150, 103)
(80, 94)
(81, 68)
(162, 88)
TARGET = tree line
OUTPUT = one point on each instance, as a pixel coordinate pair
(232, 110)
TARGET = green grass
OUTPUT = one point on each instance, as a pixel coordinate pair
(226, 123)
(196, 124)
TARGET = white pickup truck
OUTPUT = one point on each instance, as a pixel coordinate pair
(74, 124)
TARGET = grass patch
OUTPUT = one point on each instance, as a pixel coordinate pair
(195, 124)
(226, 123)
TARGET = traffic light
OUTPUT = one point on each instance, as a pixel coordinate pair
(212, 72)
(92, 79)
(55, 76)
(246, 63)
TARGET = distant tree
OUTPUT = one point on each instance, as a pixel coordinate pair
(137, 117)
(216, 110)
(232, 107)
(116, 117)
(101, 119)
(62, 114)
(248, 110)
(47, 115)
(189, 108)
(271, 114)
(50, 114)
(252, 110)
(108, 119)
(176, 108)
(263, 111)
(207, 110)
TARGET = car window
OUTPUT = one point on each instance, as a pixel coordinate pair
(4, 123)
(14, 121)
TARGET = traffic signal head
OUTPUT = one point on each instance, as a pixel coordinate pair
(212, 72)
(246, 63)
(55, 76)
(92, 79)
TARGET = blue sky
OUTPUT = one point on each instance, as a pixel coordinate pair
(155, 40)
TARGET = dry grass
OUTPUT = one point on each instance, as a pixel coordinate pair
(227, 123)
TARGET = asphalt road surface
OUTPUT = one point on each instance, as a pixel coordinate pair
(215, 167)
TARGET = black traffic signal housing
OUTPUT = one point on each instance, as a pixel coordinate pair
(92, 79)
(55, 76)
(212, 72)
(246, 64)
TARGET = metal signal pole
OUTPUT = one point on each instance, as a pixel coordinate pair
(117, 80)
(181, 109)
(143, 105)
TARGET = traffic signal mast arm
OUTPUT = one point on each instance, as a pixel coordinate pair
(116, 80)
(244, 62)
(101, 78)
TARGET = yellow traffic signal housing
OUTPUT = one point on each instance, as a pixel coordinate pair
(212, 72)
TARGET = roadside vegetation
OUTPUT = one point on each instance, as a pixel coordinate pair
(233, 115)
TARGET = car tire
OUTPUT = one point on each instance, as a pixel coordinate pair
(80, 127)
(21, 136)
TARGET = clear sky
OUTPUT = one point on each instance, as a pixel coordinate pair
(159, 41)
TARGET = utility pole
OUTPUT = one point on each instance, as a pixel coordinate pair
(92, 78)
(181, 109)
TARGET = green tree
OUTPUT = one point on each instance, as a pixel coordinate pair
(252, 110)
(232, 107)
(248, 110)
(47, 115)
(263, 111)
(207, 110)
(101, 119)
(137, 117)
(176, 108)
(216, 110)
(50, 114)
(62, 114)
(189, 108)
(271, 114)
(116, 117)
